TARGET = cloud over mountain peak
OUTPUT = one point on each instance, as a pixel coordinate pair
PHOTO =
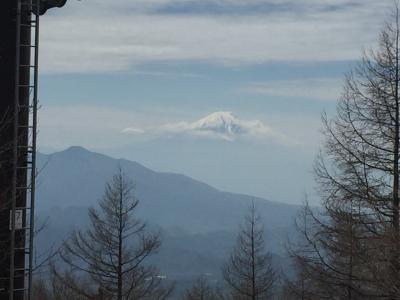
(223, 125)
(228, 126)
(222, 122)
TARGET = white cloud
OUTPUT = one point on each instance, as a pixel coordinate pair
(217, 125)
(86, 125)
(105, 127)
(133, 130)
(109, 36)
(98, 127)
(308, 89)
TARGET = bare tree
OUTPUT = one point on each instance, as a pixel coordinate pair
(354, 246)
(330, 258)
(40, 290)
(72, 286)
(300, 286)
(113, 251)
(202, 290)
(249, 272)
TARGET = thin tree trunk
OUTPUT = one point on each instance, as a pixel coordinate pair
(395, 262)
(350, 283)
(253, 279)
(396, 141)
(120, 240)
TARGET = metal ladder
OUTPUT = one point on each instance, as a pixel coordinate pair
(24, 152)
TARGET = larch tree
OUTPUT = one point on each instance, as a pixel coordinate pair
(354, 245)
(329, 259)
(249, 272)
(113, 251)
(202, 290)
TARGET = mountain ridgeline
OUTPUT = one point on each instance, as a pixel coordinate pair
(198, 222)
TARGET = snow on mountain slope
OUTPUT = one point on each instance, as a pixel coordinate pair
(225, 125)
(223, 122)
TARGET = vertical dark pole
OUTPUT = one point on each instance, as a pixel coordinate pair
(21, 132)
(14, 175)
(13, 129)
(8, 16)
(34, 125)
(15, 145)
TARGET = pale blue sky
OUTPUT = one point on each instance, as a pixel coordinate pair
(147, 64)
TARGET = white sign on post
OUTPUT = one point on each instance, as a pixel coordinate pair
(18, 219)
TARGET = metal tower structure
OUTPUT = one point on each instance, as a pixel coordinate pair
(19, 53)
(24, 149)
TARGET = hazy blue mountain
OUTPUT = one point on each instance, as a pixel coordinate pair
(76, 177)
(199, 223)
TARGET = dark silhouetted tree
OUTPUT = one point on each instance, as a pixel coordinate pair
(249, 272)
(112, 252)
(352, 247)
(202, 290)
(330, 257)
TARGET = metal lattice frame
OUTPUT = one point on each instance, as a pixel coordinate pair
(24, 150)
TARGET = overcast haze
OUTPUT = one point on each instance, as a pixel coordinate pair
(152, 80)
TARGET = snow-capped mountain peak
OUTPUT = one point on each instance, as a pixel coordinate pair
(221, 122)
(217, 125)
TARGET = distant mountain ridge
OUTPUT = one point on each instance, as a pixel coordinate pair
(198, 222)
(76, 177)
